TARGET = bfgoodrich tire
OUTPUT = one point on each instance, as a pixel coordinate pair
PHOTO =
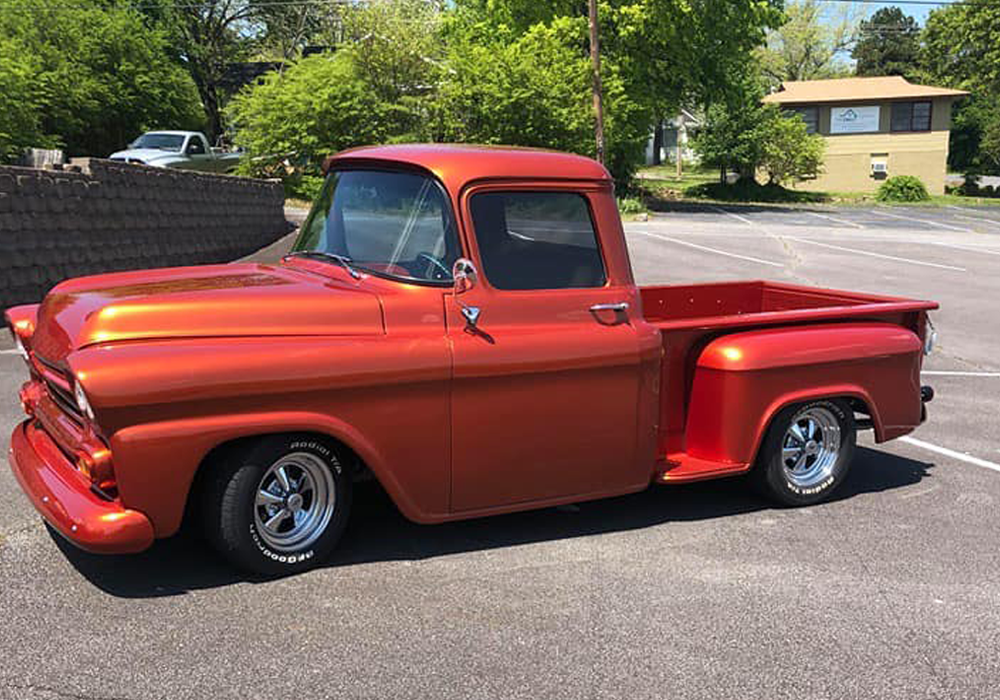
(278, 504)
(806, 453)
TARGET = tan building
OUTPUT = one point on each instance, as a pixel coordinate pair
(874, 128)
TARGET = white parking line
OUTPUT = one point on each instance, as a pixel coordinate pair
(956, 373)
(835, 219)
(961, 456)
(711, 250)
(12, 351)
(735, 216)
(877, 255)
(922, 221)
(969, 249)
(992, 222)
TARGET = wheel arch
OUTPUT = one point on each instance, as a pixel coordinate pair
(853, 395)
(159, 466)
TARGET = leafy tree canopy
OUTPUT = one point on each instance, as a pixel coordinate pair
(88, 78)
(889, 44)
(809, 44)
(748, 136)
(961, 48)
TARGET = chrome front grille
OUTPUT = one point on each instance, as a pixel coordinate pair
(59, 386)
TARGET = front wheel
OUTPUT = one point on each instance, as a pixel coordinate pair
(806, 453)
(279, 504)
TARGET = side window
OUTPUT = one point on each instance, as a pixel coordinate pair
(911, 116)
(810, 115)
(537, 240)
(195, 146)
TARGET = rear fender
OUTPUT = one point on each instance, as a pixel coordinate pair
(743, 380)
(156, 462)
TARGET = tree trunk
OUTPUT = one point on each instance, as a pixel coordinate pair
(658, 141)
(209, 94)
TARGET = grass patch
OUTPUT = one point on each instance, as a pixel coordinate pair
(295, 203)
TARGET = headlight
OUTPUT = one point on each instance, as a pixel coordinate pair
(930, 337)
(81, 400)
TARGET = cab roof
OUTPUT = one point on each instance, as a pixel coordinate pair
(456, 165)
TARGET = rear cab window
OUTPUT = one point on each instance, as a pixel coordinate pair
(537, 240)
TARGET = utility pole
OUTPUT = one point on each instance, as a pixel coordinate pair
(595, 61)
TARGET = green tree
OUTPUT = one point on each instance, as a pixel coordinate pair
(21, 116)
(210, 35)
(99, 75)
(788, 151)
(656, 54)
(291, 121)
(534, 90)
(396, 46)
(809, 44)
(747, 136)
(961, 48)
(889, 44)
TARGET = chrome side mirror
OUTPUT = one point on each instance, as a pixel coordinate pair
(465, 275)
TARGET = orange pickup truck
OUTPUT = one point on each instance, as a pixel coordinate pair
(460, 324)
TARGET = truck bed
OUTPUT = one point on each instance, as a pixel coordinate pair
(691, 316)
(727, 304)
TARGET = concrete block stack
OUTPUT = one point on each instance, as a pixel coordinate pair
(109, 216)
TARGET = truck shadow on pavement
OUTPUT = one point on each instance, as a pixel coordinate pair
(379, 533)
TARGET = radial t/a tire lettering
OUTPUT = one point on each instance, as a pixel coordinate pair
(278, 504)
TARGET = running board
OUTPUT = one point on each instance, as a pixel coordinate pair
(680, 467)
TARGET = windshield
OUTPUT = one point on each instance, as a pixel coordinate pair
(393, 224)
(162, 142)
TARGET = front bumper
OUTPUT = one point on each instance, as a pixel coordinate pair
(63, 496)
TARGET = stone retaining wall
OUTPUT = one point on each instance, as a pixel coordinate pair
(108, 216)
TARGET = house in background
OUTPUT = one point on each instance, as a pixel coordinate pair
(874, 128)
(674, 137)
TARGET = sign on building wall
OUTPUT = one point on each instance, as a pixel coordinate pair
(853, 120)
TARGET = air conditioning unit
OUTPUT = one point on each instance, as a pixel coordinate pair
(879, 168)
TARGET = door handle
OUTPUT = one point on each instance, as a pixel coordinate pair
(617, 306)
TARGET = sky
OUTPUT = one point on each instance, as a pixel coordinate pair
(918, 12)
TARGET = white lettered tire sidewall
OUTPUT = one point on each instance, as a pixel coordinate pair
(769, 474)
(231, 496)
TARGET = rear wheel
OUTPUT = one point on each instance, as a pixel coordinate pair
(278, 504)
(806, 453)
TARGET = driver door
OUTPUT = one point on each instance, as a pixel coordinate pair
(546, 383)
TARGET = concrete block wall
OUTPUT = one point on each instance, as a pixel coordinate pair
(109, 216)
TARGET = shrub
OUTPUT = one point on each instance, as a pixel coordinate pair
(902, 188)
(631, 205)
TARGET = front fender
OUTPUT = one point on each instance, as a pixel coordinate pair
(23, 320)
(155, 463)
(742, 380)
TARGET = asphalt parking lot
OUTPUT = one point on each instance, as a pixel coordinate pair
(701, 591)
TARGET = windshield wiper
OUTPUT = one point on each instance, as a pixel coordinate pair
(341, 260)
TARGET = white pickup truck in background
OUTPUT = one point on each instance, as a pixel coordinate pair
(186, 150)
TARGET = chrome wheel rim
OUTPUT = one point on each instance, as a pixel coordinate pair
(295, 500)
(810, 447)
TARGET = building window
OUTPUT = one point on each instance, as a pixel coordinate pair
(911, 116)
(810, 115)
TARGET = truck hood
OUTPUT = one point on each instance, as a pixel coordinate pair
(237, 300)
(146, 155)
